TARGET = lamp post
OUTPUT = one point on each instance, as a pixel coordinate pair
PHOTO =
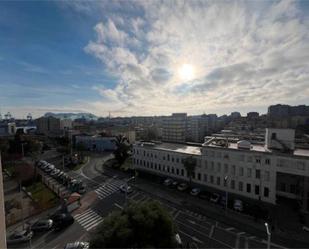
(126, 192)
(268, 235)
(226, 193)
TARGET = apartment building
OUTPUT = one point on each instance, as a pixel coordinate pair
(262, 171)
(48, 125)
(175, 128)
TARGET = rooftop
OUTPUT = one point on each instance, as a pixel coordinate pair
(180, 148)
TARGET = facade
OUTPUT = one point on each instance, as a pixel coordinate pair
(254, 171)
(175, 128)
(96, 143)
(66, 124)
(48, 125)
(7, 128)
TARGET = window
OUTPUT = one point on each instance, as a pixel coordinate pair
(182, 172)
(144, 153)
(219, 154)
(172, 170)
(274, 135)
(137, 152)
(151, 165)
(168, 157)
(155, 156)
(233, 184)
(293, 188)
(233, 169)
(257, 189)
(144, 163)
(155, 166)
(218, 167)
(218, 180)
(193, 175)
(226, 168)
(248, 188)
(282, 187)
(257, 174)
(163, 157)
(168, 169)
(177, 160)
(240, 186)
(199, 176)
(212, 166)
(267, 175)
(225, 182)
(249, 159)
(211, 179)
(177, 171)
(241, 171)
(147, 154)
(206, 165)
(226, 156)
(301, 165)
(267, 161)
(151, 155)
(172, 159)
(249, 172)
(266, 192)
(147, 164)
(160, 167)
(205, 178)
(258, 160)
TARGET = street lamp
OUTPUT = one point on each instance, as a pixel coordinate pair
(126, 192)
(226, 193)
(268, 235)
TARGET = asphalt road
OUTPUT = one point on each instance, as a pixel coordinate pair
(193, 228)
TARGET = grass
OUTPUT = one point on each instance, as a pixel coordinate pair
(43, 195)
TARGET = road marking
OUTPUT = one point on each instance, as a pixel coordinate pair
(191, 221)
(191, 237)
(230, 229)
(240, 233)
(88, 219)
(273, 244)
(118, 206)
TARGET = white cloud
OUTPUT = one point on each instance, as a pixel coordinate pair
(244, 54)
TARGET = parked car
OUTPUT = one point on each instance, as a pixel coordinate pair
(183, 186)
(124, 188)
(44, 165)
(223, 201)
(238, 205)
(19, 237)
(195, 191)
(77, 245)
(205, 195)
(174, 184)
(49, 168)
(54, 172)
(168, 182)
(214, 197)
(62, 220)
(42, 225)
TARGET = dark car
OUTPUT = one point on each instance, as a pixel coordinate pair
(42, 225)
(62, 220)
(205, 195)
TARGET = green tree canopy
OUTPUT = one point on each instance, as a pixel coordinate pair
(190, 164)
(140, 225)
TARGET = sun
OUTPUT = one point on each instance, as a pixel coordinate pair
(186, 72)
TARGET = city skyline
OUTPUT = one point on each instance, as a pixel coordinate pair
(149, 58)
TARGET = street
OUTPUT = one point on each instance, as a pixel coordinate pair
(193, 227)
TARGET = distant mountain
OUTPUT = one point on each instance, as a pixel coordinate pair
(72, 116)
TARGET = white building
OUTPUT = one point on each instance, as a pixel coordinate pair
(175, 128)
(257, 171)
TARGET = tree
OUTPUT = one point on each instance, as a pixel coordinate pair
(121, 152)
(190, 164)
(141, 225)
(80, 147)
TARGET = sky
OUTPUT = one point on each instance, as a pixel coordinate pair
(155, 57)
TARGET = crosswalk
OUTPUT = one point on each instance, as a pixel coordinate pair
(108, 189)
(89, 219)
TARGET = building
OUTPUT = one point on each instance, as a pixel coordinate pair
(66, 124)
(262, 171)
(96, 143)
(252, 115)
(2, 214)
(7, 128)
(235, 115)
(175, 128)
(48, 125)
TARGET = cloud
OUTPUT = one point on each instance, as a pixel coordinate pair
(244, 54)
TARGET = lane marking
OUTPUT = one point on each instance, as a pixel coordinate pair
(118, 206)
(240, 233)
(230, 229)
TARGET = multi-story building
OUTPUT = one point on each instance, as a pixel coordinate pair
(175, 128)
(262, 171)
(48, 125)
(7, 128)
(96, 143)
(66, 124)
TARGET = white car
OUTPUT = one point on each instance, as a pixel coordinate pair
(77, 245)
(195, 191)
(124, 188)
(168, 182)
(238, 205)
(20, 237)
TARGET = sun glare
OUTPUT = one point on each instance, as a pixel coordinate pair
(186, 72)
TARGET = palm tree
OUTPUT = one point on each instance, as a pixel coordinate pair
(190, 164)
(121, 152)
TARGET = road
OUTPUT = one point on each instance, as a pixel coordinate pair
(194, 228)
